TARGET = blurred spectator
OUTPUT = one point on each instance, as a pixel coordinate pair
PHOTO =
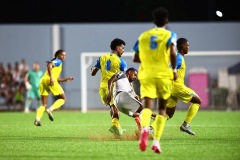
(18, 101)
(12, 85)
(23, 67)
(32, 81)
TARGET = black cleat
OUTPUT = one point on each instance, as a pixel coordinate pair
(37, 123)
(50, 116)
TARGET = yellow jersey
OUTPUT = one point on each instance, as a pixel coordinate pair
(154, 52)
(56, 71)
(109, 64)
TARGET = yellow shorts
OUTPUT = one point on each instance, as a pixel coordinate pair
(180, 92)
(155, 87)
(45, 88)
(103, 92)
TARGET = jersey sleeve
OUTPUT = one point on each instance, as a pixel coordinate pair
(135, 47)
(120, 75)
(56, 62)
(123, 65)
(172, 39)
(97, 64)
(179, 61)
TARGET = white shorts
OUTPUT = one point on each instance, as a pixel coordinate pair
(126, 103)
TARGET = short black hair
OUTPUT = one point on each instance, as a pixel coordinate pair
(180, 43)
(116, 42)
(132, 69)
(160, 16)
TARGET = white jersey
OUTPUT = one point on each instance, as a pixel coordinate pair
(124, 95)
(122, 85)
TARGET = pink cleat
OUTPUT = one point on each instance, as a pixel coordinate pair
(156, 147)
(143, 139)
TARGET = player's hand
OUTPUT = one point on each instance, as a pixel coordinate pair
(51, 81)
(69, 79)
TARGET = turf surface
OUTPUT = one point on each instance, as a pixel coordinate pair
(85, 136)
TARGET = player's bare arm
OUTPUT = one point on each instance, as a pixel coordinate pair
(94, 71)
(67, 79)
(136, 57)
(173, 61)
(49, 68)
(110, 88)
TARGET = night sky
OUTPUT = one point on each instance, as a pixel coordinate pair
(67, 11)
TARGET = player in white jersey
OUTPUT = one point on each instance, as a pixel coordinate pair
(125, 99)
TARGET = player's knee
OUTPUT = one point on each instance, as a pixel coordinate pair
(199, 101)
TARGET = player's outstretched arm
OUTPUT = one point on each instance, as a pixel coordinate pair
(67, 79)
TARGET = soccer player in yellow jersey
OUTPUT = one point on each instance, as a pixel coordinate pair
(109, 64)
(156, 50)
(49, 83)
(181, 92)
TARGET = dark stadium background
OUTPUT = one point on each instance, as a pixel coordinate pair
(59, 11)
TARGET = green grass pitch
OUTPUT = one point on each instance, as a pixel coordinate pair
(85, 136)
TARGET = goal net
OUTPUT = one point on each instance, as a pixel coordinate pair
(212, 61)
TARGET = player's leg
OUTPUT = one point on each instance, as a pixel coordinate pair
(148, 94)
(43, 89)
(159, 125)
(192, 97)
(164, 92)
(193, 108)
(116, 127)
(114, 112)
(58, 92)
(38, 97)
(145, 120)
(129, 105)
(27, 104)
(170, 110)
(171, 106)
(41, 110)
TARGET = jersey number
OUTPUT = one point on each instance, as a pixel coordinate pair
(153, 42)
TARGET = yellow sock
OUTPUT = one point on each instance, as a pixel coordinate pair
(154, 124)
(159, 126)
(40, 111)
(192, 111)
(115, 122)
(57, 104)
(146, 117)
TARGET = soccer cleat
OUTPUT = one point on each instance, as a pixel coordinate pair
(156, 147)
(49, 112)
(137, 120)
(185, 127)
(143, 140)
(117, 132)
(37, 123)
